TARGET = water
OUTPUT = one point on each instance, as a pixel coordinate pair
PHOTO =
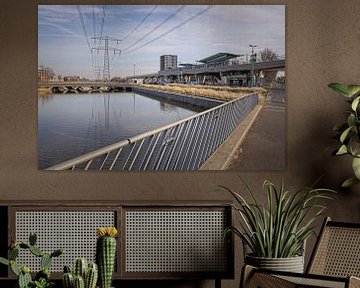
(70, 125)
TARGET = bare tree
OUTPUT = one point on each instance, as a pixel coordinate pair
(49, 72)
(268, 55)
(45, 73)
(270, 76)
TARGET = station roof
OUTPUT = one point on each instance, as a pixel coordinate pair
(186, 64)
(218, 57)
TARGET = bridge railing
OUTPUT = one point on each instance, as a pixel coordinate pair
(183, 145)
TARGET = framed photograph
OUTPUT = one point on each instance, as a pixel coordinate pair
(161, 87)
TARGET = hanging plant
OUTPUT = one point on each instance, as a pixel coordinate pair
(349, 132)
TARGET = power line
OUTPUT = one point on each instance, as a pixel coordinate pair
(140, 23)
(172, 29)
(94, 23)
(102, 27)
(94, 56)
(83, 26)
(112, 58)
(155, 28)
(84, 30)
(102, 20)
(117, 59)
(103, 15)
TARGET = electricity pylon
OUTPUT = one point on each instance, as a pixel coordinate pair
(106, 48)
(97, 73)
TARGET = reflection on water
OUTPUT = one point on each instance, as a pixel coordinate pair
(72, 124)
(43, 98)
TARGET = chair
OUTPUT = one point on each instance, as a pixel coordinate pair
(335, 262)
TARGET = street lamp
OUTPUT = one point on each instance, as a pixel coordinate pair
(252, 60)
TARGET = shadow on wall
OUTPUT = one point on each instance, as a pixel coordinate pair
(318, 163)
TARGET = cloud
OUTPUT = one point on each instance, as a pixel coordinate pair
(224, 28)
(62, 31)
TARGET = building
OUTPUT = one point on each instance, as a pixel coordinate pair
(168, 62)
(45, 74)
(74, 78)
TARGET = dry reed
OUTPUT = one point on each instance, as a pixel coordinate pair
(214, 92)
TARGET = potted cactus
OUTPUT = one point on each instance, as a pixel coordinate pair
(84, 275)
(106, 254)
(42, 278)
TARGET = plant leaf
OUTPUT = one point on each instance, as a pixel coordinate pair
(340, 127)
(354, 145)
(356, 167)
(351, 120)
(349, 182)
(342, 150)
(355, 103)
(4, 261)
(14, 268)
(345, 134)
(340, 88)
(353, 89)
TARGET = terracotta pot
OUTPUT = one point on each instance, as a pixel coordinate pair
(291, 264)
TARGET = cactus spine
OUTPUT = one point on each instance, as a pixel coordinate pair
(24, 278)
(23, 273)
(14, 268)
(45, 261)
(84, 275)
(80, 267)
(68, 280)
(13, 253)
(91, 276)
(79, 282)
(32, 239)
(105, 255)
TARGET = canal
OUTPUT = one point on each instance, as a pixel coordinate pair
(70, 125)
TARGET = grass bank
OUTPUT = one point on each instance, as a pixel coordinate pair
(43, 91)
(213, 92)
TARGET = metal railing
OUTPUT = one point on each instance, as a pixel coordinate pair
(183, 145)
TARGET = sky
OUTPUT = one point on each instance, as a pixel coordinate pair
(191, 32)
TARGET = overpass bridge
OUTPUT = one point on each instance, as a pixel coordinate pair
(199, 73)
(203, 69)
(85, 86)
(189, 74)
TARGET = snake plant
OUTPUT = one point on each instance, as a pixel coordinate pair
(349, 132)
(279, 228)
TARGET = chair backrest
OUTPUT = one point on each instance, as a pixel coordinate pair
(337, 251)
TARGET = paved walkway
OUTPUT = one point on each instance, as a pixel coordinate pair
(264, 146)
(223, 156)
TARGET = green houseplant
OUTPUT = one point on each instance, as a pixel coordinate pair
(106, 254)
(349, 132)
(84, 274)
(42, 278)
(279, 229)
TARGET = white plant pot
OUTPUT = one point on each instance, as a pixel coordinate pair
(291, 264)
